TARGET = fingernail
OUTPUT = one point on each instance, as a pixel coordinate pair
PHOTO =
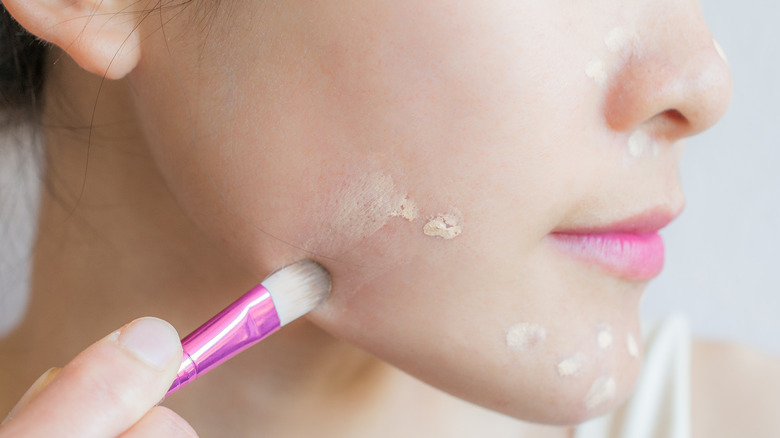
(152, 340)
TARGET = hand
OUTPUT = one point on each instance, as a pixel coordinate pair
(109, 390)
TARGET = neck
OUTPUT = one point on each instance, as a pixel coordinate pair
(113, 245)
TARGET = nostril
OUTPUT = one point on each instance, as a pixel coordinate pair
(675, 116)
(674, 123)
(669, 124)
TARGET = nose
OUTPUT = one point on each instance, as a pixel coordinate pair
(675, 82)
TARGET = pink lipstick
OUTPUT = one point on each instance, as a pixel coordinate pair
(632, 256)
(630, 248)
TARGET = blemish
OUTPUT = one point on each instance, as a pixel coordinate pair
(525, 335)
(631, 345)
(445, 226)
(604, 337)
(571, 366)
(602, 391)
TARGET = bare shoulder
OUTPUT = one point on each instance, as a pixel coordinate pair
(735, 391)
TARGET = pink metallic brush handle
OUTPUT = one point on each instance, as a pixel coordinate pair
(242, 324)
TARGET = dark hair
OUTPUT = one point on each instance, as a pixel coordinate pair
(21, 71)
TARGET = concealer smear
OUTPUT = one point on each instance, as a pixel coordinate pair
(631, 346)
(363, 205)
(407, 210)
(604, 337)
(525, 335)
(602, 391)
(445, 226)
(571, 366)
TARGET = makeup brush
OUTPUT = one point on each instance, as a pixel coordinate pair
(283, 297)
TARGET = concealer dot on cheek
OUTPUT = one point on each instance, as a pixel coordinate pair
(525, 335)
(444, 226)
(604, 337)
(571, 366)
(601, 391)
(631, 346)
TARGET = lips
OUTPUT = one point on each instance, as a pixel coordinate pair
(629, 248)
(646, 222)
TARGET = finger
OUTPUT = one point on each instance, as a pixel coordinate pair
(161, 422)
(107, 388)
(36, 388)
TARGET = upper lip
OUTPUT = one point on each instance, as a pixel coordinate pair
(647, 221)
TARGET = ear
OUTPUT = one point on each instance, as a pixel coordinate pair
(100, 35)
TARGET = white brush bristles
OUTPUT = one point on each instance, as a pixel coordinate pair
(298, 288)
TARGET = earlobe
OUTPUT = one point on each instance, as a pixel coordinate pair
(101, 36)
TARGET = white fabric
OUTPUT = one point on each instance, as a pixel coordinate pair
(660, 406)
(20, 185)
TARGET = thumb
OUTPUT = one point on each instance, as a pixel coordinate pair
(107, 388)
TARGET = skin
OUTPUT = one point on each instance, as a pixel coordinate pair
(231, 141)
(490, 91)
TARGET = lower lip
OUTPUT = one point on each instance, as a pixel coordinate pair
(631, 256)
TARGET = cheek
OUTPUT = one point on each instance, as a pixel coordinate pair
(430, 217)
(505, 340)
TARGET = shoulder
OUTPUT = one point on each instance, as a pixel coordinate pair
(735, 391)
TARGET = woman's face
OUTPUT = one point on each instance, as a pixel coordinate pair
(424, 152)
